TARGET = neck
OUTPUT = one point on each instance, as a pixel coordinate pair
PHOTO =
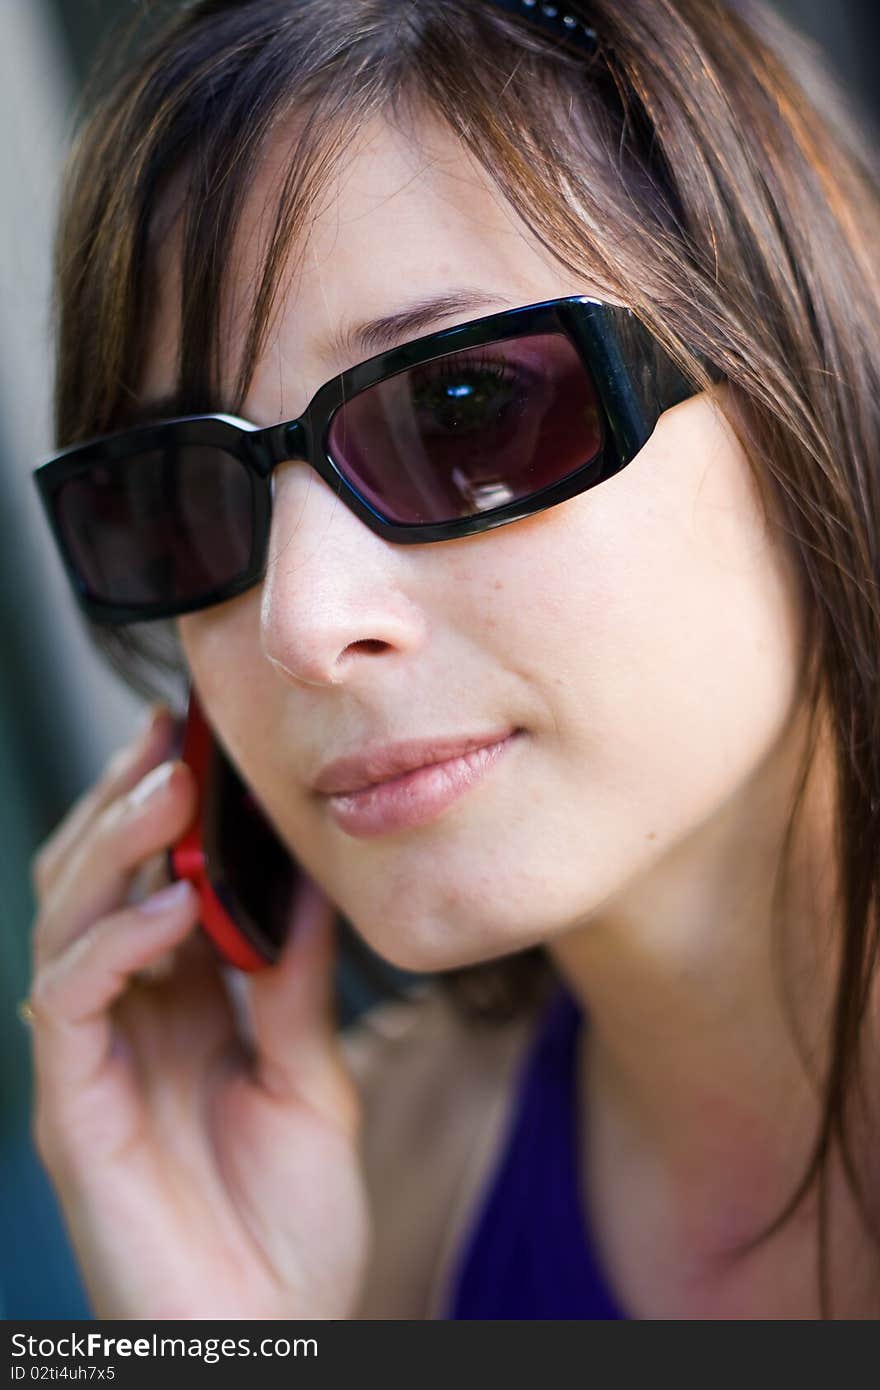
(708, 1016)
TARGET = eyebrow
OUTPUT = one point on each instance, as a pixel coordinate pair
(374, 335)
(357, 340)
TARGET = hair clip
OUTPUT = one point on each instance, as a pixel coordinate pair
(552, 20)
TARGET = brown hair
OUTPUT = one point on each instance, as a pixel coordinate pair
(703, 167)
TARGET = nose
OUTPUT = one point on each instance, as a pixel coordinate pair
(332, 602)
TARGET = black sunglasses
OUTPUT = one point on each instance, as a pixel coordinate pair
(446, 436)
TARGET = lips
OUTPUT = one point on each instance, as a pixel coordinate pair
(382, 764)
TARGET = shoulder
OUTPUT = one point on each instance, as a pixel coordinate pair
(436, 1089)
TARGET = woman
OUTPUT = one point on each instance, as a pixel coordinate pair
(672, 840)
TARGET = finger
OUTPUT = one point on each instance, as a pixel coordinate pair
(72, 994)
(150, 878)
(127, 766)
(193, 968)
(97, 875)
(293, 1015)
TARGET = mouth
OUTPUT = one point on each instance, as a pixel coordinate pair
(383, 763)
(418, 795)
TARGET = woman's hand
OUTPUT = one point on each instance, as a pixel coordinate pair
(200, 1175)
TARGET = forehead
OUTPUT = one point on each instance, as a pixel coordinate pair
(408, 215)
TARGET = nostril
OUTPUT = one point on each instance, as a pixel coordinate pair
(368, 644)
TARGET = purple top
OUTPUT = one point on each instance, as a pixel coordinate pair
(528, 1252)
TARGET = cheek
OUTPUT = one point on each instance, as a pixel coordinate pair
(660, 625)
(221, 646)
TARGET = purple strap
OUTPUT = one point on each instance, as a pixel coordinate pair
(528, 1254)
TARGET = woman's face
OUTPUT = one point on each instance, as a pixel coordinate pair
(643, 634)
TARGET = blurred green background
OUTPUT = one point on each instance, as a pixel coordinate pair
(61, 711)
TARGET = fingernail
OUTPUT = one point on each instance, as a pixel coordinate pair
(166, 897)
(151, 785)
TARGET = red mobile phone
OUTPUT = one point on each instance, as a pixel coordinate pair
(246, 877)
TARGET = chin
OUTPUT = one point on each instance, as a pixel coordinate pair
(432, 945)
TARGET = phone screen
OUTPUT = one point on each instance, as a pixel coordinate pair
(251, 870)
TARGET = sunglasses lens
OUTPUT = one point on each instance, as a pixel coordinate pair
(470, 432)
(163, 527)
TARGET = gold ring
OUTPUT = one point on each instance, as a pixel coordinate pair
(26, 1011)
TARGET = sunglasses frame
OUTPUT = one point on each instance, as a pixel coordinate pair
(634, 378)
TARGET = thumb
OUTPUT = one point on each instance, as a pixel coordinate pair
(293, 1014)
